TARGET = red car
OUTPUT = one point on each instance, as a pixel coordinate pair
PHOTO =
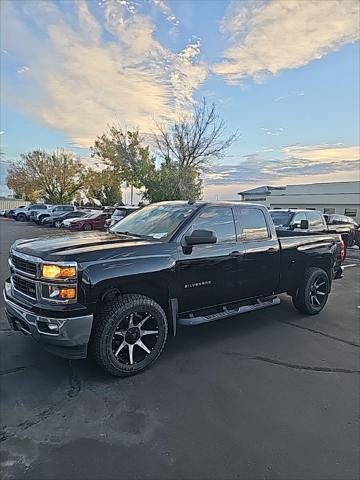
(95, 221)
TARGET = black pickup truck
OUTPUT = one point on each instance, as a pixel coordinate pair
(170, 263)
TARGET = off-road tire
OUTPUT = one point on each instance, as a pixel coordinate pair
(302, 300)
(105, 324)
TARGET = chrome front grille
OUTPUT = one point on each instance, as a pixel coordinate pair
(24, 285)
(24, 265)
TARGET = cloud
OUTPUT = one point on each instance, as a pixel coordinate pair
(166, 11)
(297, 93)
(323, 153)
(86, 73)
(22, 69)
(267, 37)
(276, 132)
(291, 162)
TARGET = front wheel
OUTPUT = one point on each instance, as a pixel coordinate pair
(312, 295)
(87, 227)
(129, 335)
(57, 223)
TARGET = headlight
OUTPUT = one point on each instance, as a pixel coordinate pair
(58, 272)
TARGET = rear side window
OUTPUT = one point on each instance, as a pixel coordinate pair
(252, 224)
(315, 219)
(218, 219)
(68, 208)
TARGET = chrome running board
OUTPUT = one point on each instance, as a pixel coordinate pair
(228, 312)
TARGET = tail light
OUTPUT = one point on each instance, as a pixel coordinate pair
(342, 249)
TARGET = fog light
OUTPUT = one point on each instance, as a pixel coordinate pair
(63, 293)
(58, 292)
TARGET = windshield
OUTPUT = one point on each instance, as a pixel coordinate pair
(158, 220)
(119, 212)
(281, 219)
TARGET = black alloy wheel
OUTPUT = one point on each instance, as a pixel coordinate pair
(312, 295)
(129, 335)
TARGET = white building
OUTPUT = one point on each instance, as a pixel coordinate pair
(336, 197)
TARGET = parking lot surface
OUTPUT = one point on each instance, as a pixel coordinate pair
(271, 394)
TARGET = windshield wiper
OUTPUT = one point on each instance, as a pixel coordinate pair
(134, 235)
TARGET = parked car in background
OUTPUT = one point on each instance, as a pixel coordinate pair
(52, 211)
(335, 219)
(120, 213)
(57, 220)
(93, 221)
(344, 225)
(290, 222)
(22, 214)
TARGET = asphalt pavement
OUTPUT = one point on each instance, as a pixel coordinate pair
(271, 394)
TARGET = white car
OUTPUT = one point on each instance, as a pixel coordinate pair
(21, 214)
(52, 211)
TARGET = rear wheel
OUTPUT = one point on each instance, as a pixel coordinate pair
(87, 227)
(21, 217)
(129, 335)
(57, 223)
(313, 293)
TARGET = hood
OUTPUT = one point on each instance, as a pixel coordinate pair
(85, 246)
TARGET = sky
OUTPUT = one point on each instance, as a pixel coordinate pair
(283, 73)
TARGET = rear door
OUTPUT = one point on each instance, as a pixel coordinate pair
(258, 268)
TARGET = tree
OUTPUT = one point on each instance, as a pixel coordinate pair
(164, 184)
(191, 143)
(122, 151)
(103, 186)
(54, 177)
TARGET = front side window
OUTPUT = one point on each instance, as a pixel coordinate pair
(252, 224)
(219, 220)
(296, 221)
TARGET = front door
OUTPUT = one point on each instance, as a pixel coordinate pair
(206, 272)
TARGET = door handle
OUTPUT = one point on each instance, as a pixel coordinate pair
(271, 250)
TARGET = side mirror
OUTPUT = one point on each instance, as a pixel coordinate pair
(201, 237)
(304, 224)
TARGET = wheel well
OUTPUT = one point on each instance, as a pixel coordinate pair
(324, 264)
(156, 291)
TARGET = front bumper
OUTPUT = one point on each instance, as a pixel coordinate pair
(65, 337)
